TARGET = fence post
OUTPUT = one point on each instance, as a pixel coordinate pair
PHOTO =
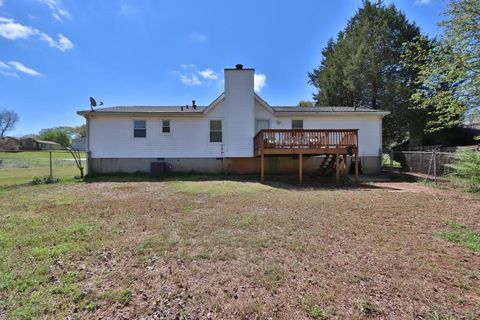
(391, 162)
(51, 171)
(434, 166)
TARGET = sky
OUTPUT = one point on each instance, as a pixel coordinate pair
(55, 54)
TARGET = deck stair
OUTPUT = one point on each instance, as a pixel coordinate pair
(327, 166)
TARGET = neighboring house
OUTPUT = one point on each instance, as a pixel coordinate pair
(32, 144)
(237, 133)
(9, 144)
(79, 144)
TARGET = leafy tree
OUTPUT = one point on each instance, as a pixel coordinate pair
(304, 103)
(8, 119)
(449, 69)
(55, 134)
(362, 67)
(80, 131)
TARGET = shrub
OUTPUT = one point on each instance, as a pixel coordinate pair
(467, 168)
(44, 180)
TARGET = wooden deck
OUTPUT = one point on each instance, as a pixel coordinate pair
(280, 142)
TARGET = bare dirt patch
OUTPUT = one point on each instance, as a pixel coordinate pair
(231, 250)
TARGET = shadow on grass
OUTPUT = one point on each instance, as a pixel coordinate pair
(283, 181)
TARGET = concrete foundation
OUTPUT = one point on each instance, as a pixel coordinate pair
(273, 165)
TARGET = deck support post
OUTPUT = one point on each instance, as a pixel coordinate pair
(356, 166)
(337, 167)
(300, 168)
(345, 171)
(262, 167)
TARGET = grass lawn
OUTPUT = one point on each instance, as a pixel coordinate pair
(21, 167)
(238, 250)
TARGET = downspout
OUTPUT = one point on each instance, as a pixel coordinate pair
(89, 153)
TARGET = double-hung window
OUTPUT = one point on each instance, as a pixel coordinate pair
(165, 126)
(139, 128)
(215, 130)
(297, 124)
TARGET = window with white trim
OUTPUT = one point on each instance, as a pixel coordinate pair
(165, 126)
(297, 124)
(215, 130)
(139, 128)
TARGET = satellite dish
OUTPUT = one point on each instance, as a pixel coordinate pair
(93, 103)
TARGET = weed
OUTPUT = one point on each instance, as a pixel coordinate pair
(125, 296)
(317, 313)
(367, 307)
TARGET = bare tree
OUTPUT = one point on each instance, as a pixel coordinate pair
(8, 119)
(77, 157)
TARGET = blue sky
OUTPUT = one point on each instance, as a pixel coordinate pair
(55, 54)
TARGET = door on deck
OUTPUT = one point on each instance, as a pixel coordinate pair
(261, 124)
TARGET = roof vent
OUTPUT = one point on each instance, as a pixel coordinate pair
(239, 66)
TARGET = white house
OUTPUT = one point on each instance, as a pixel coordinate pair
(237, 133)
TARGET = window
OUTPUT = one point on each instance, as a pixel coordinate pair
(261, 124)
(166, 126)
(297, 124)
(139, 128)
(215, 130)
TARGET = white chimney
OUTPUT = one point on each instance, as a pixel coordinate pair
(239, 112)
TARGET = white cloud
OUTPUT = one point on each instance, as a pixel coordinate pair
(12, 66)
(20, 67)
(208, 74)
(63, 43)
(422, 2)
(198, 37)
(56, 9)
(6, 70)
(12, 30)
(191, 80)
(259, 81)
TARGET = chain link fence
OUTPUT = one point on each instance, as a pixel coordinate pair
(431, 162)
(19, 167)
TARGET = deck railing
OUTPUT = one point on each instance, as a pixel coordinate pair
(304, 139)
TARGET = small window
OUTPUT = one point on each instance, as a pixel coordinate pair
(139, 128)
(297, 124)
(166, 126)
(215, 130)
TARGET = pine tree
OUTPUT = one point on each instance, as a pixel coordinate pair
(362, 67)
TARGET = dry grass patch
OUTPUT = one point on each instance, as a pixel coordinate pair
(229, 250)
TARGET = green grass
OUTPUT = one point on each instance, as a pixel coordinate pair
(461, 235)
(386, 162)
(21, 167)
(32, 248)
